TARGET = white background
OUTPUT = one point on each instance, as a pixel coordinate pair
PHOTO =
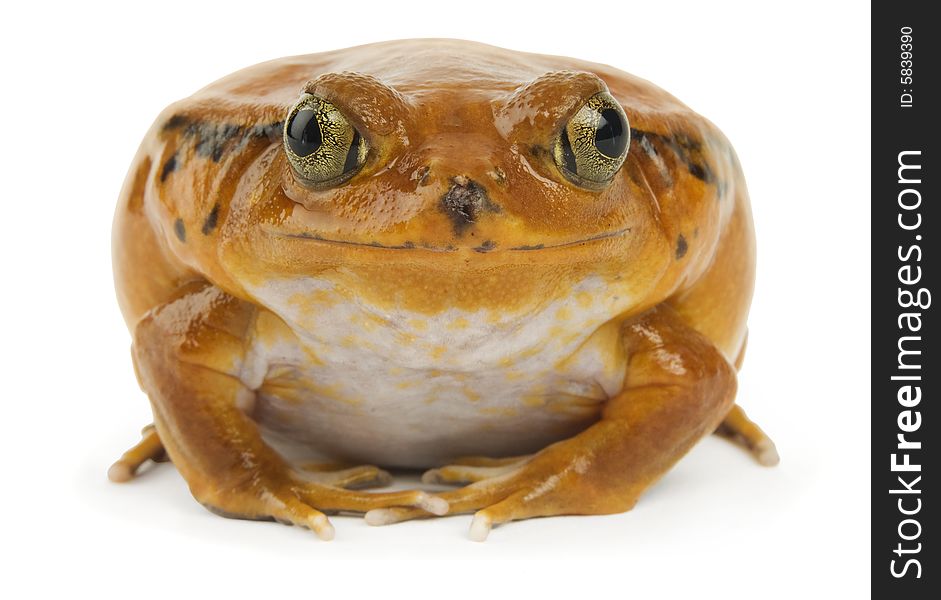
(789, 85)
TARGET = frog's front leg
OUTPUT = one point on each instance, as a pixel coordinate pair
(188, 355)
(677, 389)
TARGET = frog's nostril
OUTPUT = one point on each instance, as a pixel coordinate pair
(464, 201)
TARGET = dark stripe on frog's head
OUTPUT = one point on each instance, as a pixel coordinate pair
(175, 122)
(681, 247)
(168, 167)
(179, 228)
(685, 148)
(212, 219)
(212, 140)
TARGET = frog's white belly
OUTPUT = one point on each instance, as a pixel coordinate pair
(417, 391)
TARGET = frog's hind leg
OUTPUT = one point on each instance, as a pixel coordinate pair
(149, 448)
(741, 430)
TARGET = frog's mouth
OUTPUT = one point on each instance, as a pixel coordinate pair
(487, 246)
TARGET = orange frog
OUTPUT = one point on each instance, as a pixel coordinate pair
(529, 274)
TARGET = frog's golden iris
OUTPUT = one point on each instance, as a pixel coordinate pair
(593, 144)
(323, 146)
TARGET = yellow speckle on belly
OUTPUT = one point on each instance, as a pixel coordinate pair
(471, 394)
(438, 351)
(312, 357)
(563, 313)
(418, 324)
(310, 300)
(573, 406)
(459, 323)
(530, 352)
(584, 299)
(330, 391)
(368, 323)
(534, 401)
(298, 392)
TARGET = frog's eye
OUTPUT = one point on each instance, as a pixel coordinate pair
(323, 146)
(593, 144)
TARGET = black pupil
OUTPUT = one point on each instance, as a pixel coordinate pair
(609, 136)
(304, 133)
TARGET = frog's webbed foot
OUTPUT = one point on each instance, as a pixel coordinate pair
(500, 490)
(485, 476)
(741, 430)
(149, 448)
(344, 476)
(292, 500)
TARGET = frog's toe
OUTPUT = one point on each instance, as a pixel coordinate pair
(471, 498)
(306, 504)
(498, 505)
(149, 448)
(463, 474)
(741, 430)
(472, 469)
(295, 512)
(282, 505)
(466, 499)
(388, 516)
(487, 461)
(353, 478)
(766, 453)
(342, 500)
(510, 509)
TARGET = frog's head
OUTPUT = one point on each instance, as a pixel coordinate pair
(455, 170)
(474, 190)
